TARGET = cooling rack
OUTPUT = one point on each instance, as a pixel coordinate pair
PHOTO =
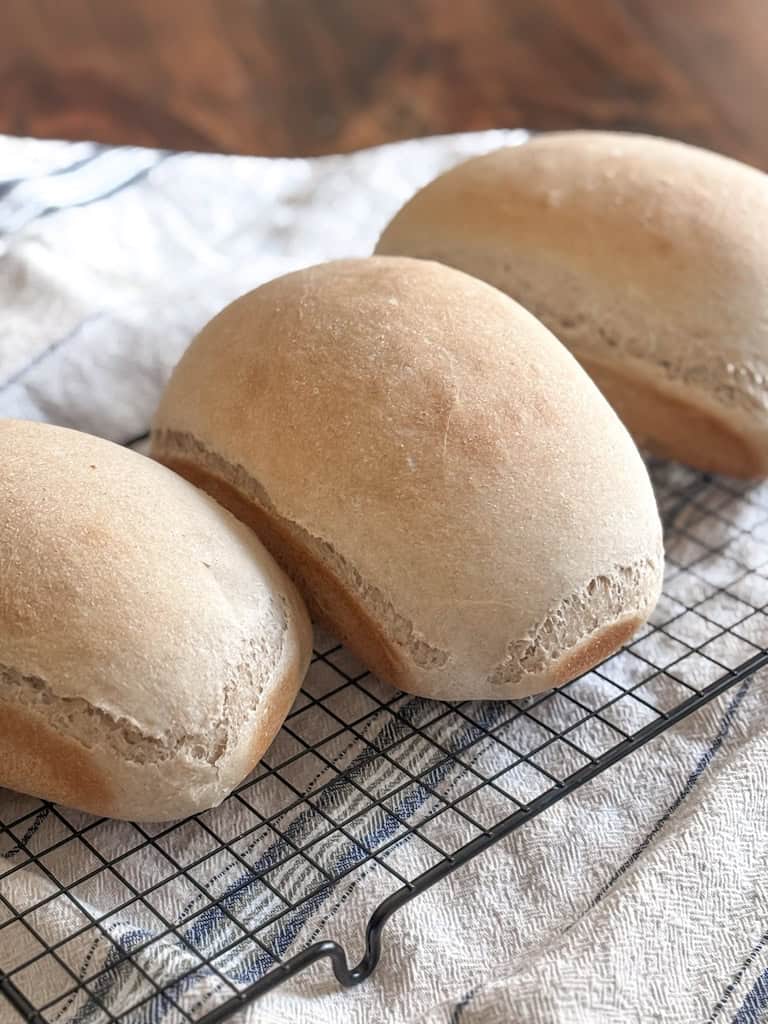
(365, 790)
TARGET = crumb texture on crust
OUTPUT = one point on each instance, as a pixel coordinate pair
(732, 384)
(699, 402)
(183, 448)
(93, 728)
(625, 595)
(603, 331)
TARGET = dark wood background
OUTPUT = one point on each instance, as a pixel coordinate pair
(315, 76)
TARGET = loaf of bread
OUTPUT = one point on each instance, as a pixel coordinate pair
(150, 647)
(647, 258)
(447, 487)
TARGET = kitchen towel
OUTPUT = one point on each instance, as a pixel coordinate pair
(641, 897)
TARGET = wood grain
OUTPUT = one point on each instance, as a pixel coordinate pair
(312, 76)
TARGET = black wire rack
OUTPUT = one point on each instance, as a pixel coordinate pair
(365, 790)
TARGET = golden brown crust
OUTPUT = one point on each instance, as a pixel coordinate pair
(440, 476)
(639, 253)
(673, 426)
(273, 714)
(42, 762)
(141, 624)
(596, 648)
(329, 600)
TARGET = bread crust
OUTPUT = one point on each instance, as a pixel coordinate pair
(330, 603)
(150, 647)
(360, 417)
(43, 761)
(647, 258)
(669, 423)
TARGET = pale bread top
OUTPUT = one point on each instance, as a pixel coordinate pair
(141, 622)
(638, 252)
(435, 446)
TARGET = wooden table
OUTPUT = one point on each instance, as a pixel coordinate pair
(315, 76)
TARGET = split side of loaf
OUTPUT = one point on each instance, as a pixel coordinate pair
(150, 647)
(648, 258)
(447, 487)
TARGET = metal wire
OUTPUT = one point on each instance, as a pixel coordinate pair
(359, 776)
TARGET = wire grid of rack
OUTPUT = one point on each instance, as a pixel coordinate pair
(364, 787)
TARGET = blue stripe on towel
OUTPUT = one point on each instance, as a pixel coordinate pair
(743, 968)
(105, 175)
(690, 784)
(458, 1008)
(751, 1010)
(250, 968)
(88, 151)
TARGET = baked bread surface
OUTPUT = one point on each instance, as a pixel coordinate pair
(446, 486)
(150, 647)
(646, 257)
